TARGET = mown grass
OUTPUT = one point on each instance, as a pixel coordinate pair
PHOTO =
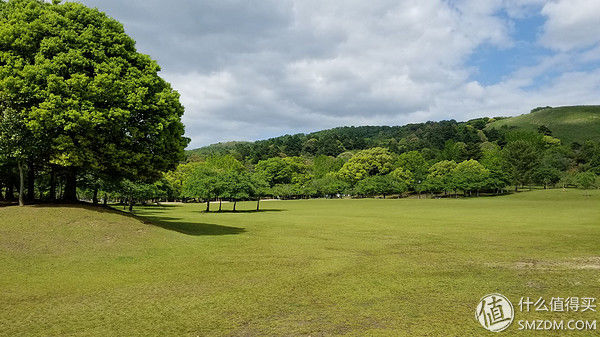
(402, 267)
(569, 123)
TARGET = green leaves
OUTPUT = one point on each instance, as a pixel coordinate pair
(366, 163)
(80, 87)
(379, 185)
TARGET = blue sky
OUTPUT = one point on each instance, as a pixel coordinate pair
(493, 63)
(252, 70)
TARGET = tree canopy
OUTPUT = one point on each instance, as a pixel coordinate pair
(76, 82)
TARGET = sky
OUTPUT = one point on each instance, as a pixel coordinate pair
(249, 70)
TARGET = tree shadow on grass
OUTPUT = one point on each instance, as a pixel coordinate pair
(169, 223)
(189, 228)
(242, 211)
(181, 226)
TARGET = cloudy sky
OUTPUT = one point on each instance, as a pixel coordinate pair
(250, 70)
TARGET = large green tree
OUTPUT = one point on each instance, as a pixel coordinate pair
(440, 176)
(414, 162)
(521, 158)
(80, 85)
(288, 170)
(470, 175)
(494, 161)
(330, 185)
(366, 163)
(237, 186)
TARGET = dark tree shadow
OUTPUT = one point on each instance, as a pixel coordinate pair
(243, 211)
(169, 223)
(189, 228)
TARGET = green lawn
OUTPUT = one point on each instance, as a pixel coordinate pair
(402, 267)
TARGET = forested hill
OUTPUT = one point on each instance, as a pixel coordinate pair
(569, 124)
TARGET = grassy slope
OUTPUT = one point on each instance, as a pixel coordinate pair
(574, 123)
(310, 267)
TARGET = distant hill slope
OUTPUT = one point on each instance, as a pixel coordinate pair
(214, 149)
(569, 123)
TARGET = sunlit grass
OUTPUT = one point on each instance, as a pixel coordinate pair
(308, 267)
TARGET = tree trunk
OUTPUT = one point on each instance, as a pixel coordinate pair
(71, 185)
(95, 197)
(21, 184)
(130, 204)
(105, 198)
(516, 188)
(30, 182)
(1, 191)
(52, 184)
(220, 202)
(208, 205)
(258, 204)
(234, 203)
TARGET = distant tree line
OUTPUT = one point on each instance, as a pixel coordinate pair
(526, 158)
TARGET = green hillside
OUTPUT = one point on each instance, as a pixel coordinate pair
(569, 123)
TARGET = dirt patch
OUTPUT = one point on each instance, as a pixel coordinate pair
(583, 263)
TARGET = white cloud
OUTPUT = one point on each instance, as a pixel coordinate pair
(249, 70)
(571, 24)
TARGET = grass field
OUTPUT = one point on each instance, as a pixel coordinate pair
(402, 267)
(569, 123)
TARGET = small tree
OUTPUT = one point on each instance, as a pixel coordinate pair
(260, 188)
(440, 176)
(132, 192)
(237, 186)
(521, 158)
(376, 185)
(470, 175)
(493, 160)
(544, 130)
(587, 181)
(202, 183)
(546, 175)
(330, 185)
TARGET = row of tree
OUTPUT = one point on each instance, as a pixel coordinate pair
(528, 158)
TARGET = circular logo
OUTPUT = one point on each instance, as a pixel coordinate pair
(495, 312)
